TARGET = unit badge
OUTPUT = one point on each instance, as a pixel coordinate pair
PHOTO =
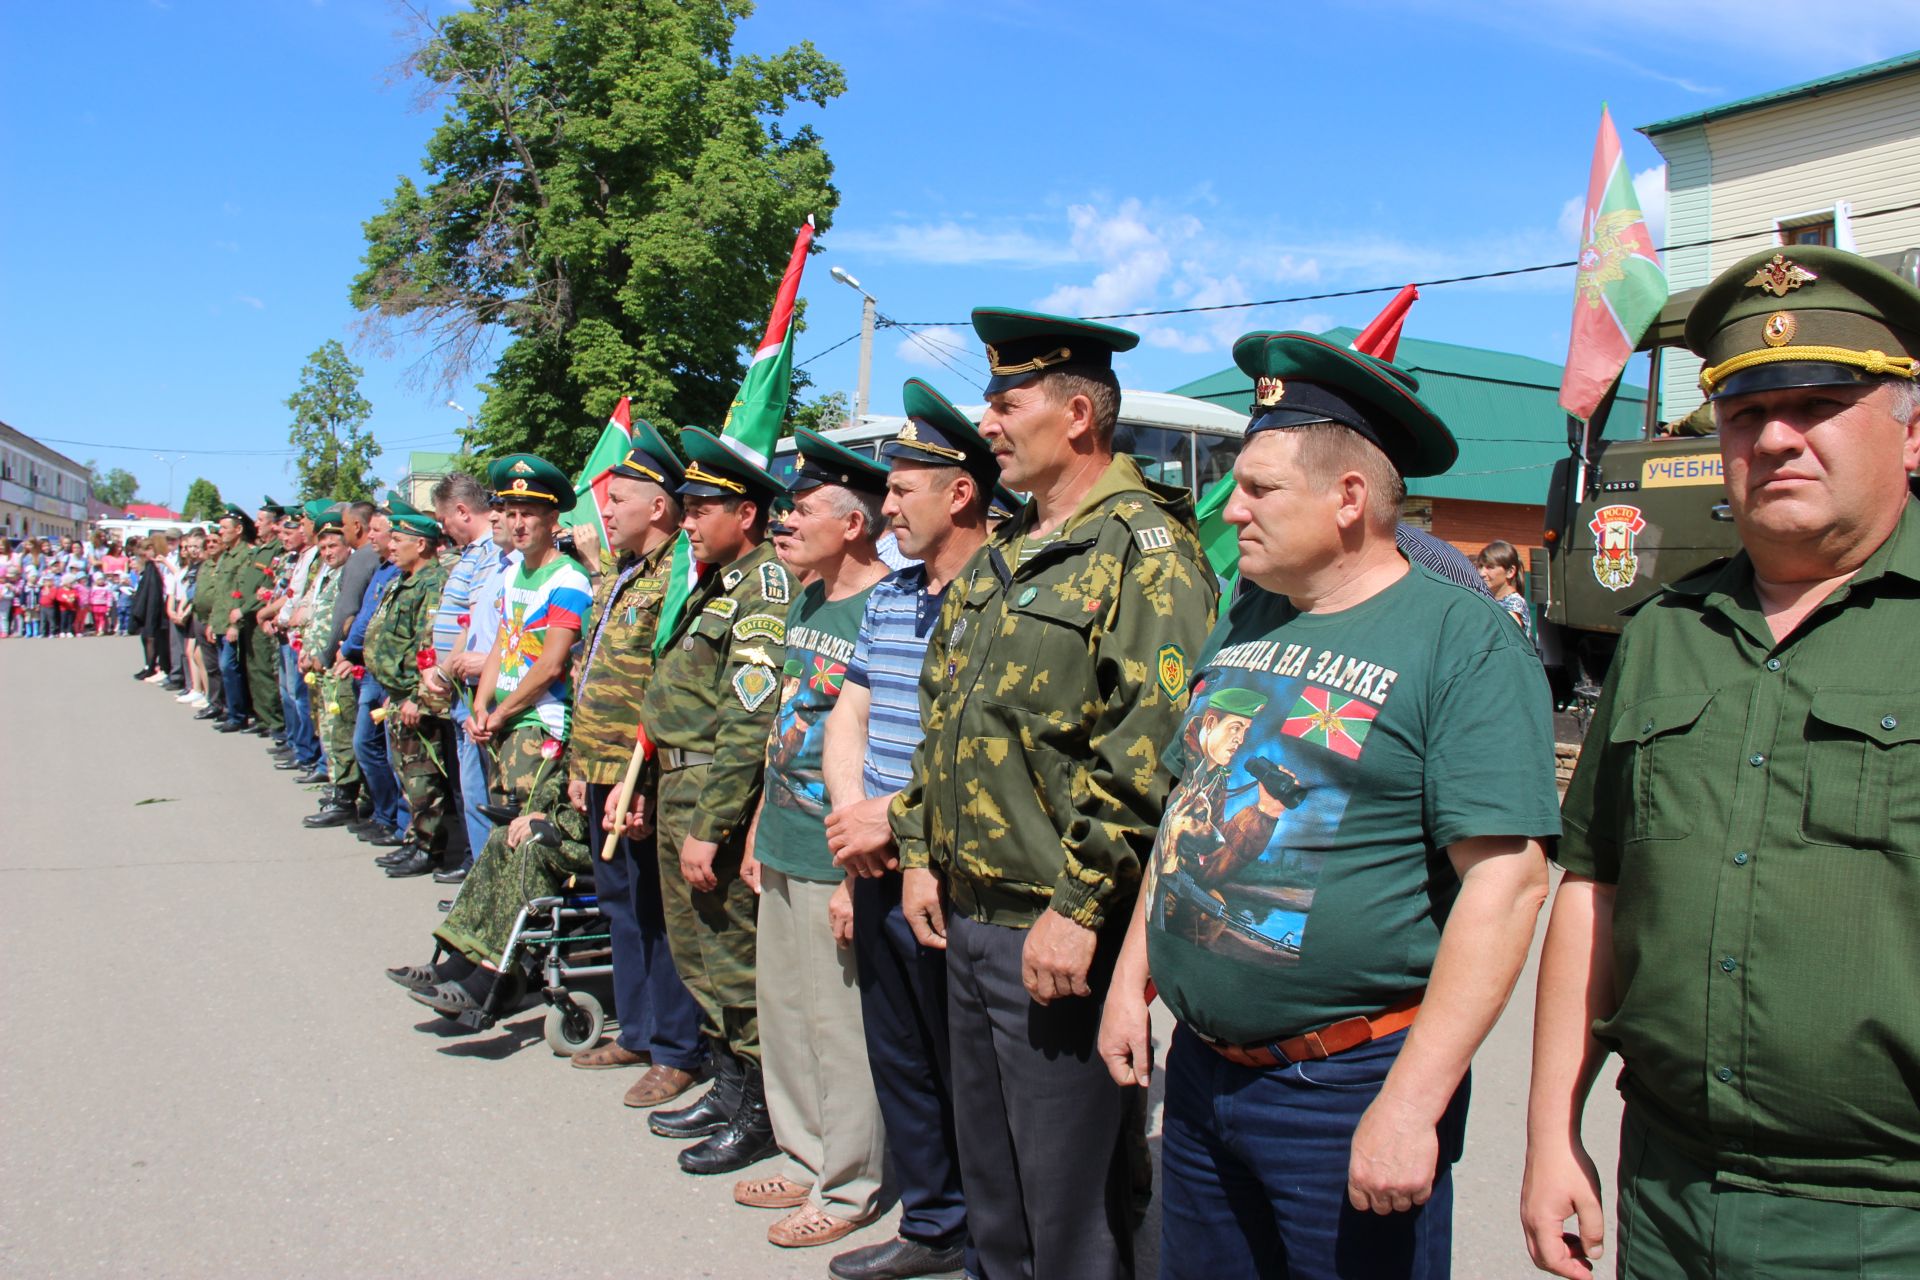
(1779, 329)
(1614, 562)
(773, 583)
(1780, 274)
(1171, 663)
(754, 684)
(1267, 391)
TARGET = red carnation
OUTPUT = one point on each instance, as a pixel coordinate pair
(359, 672)
(425, 660)
(464, 619)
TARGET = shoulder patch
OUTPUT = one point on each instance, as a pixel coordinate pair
(761, 626)
(722, 607)
(1154, 538)
(753, 685)
(754, 654)
(732, 578)
(773, 583)
(1171, 664)
(1129, 509)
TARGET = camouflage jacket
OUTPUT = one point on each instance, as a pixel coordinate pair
(1049, 691)
(615, 658)
(716, 684)
(323, 588)
(401, 626)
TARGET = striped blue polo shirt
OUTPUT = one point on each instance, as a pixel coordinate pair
(887, 657)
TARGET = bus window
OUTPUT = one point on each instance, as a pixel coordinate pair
(1167, 447)
(1214, 458)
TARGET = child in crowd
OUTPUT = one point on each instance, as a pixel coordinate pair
(49, 604)
(6, 606)
(123, 604)
(99, 600)
(66, 604)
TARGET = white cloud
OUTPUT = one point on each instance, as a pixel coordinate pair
(950, 244)
(250, 300)
(926, 348)
(1649, 191)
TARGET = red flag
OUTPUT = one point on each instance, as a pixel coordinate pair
(1620, 286)
(1381, 338)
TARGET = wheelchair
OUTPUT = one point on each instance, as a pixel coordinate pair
(560, 945)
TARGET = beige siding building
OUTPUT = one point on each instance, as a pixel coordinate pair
(43, 492)
(1835, 161)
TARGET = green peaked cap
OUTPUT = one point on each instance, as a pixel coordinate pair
(824, 462)
(417, 523)
(1022, 345)
(526, 477)
(714, 470)
(1301, 378)
(398, 506)
(937, 432)
(650, 457)
(1803, 316)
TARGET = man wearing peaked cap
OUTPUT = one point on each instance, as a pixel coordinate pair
(524, 477)
(820, 1095)
(941, 469)
(1081, 614)
(708, 707)
(1741, 825)
(1386, 746)
(662, 1031)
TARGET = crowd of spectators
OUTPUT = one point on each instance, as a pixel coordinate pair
(66, 587)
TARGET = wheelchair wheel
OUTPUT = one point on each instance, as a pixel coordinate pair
(574, 1026)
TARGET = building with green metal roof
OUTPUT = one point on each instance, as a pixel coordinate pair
(1504, 410)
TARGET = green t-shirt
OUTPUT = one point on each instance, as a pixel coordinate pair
(1300, 874)
(793, 831)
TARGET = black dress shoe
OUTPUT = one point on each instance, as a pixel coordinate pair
(205, 713)
(897, 1259)
(402, 852)
(314, 775)
(261, 731)
(333, 815)
(455, 876)
(289, 765)
(418, 865)
(385, 838)
(499, 814)
(231, 726)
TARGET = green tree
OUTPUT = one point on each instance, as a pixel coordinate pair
(329, 434)
(116, 488)
(203, 501)
(823, 414)
(613, 192)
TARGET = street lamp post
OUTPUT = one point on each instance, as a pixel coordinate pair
(867, 317)
(170, 460)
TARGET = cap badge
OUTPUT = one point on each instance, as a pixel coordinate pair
(1267, 391)
(1780, 275)
(520, 469)
(1779, 329)
(912, 432)
(519, 486)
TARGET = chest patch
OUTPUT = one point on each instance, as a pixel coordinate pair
(760, 626)
(773, 583)
(723, 607)
(753, 685)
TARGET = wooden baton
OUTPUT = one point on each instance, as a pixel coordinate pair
(641, 750)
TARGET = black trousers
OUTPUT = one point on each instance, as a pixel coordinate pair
(1043, 1152)
(903, 1008)
(210, 662)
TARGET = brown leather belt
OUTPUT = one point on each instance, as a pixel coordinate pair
(1338, 1037)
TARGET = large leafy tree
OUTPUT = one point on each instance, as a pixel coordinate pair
(333, 447)
(202, 501)
(116, 488)
(611, 193)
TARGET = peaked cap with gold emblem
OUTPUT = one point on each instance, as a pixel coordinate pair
(1302, 378)
(1803, 316)
(650, 457)
(824, 462)
(1022, 345)
(937, 432)
(715, 469)
(524, 477)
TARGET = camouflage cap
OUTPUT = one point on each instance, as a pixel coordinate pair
(1803, 316)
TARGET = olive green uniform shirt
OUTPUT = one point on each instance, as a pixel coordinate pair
(1757, 806)
(210, 591)
(401, 626)
(615, 662)
(258, 568)
(1051, 686)
(716, 685)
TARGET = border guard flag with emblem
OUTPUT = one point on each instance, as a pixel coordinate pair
(1620, 285)
(1220, 540)
(590, 491)
(753, 420)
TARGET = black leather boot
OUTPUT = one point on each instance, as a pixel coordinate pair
(336, 811)
(748, 1137)
(709, 1113)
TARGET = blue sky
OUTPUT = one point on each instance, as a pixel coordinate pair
(188, 180)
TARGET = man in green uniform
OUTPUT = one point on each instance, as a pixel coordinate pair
(235, 579)
(419, 739)
(659, 1021)
(1055, 677)
(207, 592)
(260, 647)
(1743, 830)
(707, 711)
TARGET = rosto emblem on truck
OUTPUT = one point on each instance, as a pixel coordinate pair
(1614, 563)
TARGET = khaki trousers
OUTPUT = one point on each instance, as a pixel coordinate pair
(814, 1050)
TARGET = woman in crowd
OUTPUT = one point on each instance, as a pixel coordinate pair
(1499, 563)
(150, 613)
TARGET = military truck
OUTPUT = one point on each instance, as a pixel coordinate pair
(1624, 517)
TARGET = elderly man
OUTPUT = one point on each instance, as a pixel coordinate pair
(1055, 677)
(659, 1021)
(942, 473)
(1743, 829)
(1345, 885)
(399, 654)
(819, 1091)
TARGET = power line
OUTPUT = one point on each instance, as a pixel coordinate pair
(829, 351)
(1394, 288)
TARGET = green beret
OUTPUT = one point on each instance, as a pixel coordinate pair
(1301, 378)
(650, 457)
(824, 462)
(1236, 701)
(1021, 345)
(714, 470)
(1803, 316)
(523, 477)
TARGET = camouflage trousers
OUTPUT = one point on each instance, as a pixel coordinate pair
(263, 676)
(517, 762)
(712, 935)
(421, 756)
(335, 704)
(501, 882)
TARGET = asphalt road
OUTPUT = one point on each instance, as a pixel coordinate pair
(203, 1071)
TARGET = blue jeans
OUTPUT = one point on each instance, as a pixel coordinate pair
(1254, 1172)
(473, 786)
(370, 749)
(233, 677)
(293, 698)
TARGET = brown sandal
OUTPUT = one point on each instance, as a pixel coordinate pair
(660, 1084)
(609, 1055)
(771, 1193)
(807, 1226)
